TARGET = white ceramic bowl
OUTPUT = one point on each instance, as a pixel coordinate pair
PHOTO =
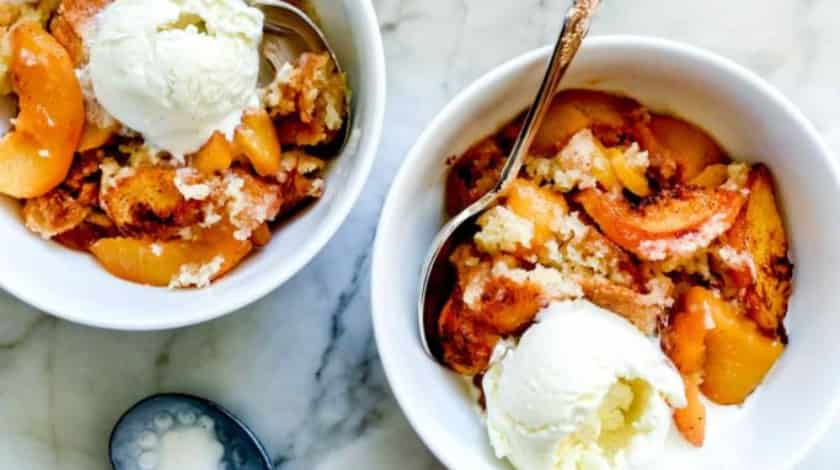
(752, 120)
(73, 286)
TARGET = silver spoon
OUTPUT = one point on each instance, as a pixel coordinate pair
(137, 440)
(438, 274)
(287, 33)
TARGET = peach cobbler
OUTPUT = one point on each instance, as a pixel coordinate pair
(641, 214)
(146, 137)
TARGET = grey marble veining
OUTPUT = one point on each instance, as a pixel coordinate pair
(301, 365)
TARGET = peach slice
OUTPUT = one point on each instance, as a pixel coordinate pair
(36, 156)
(497, 306)
(575, 110)
(157, 263)
(506, 307)
(738, 355)
(760, 233)
(631, 178)
(539, 205)
(148, 202)
(691, 420)
(684, 340)
(502, 305)
(257, 138)
(466, 345)
(261, 235)
(688, 145)
(651, 229)
(711, 177)
(562, 121)
(94, 136)
(9, 13)
(216, 155)
(604, 172)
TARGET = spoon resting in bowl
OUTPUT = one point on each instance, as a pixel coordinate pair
(287, 33)
(438, 274)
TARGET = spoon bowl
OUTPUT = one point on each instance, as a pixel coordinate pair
(288, 32)
(136, 438)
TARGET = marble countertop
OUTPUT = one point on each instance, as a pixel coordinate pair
(301, 364)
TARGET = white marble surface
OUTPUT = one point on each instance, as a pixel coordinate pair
(301, 364)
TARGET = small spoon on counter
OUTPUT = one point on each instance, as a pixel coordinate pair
(438, 275)
(183, 432)
(287, 33)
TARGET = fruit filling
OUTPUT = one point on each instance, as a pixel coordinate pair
(168, 169)
(641, 214)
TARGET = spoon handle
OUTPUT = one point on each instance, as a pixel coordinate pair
(575, 27)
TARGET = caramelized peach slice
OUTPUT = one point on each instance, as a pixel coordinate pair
(759, 233)
(257, 139)
(688, 145)
(602, 109)
(684, 341)
(481, 308)
(711, 177)
(466, 345)
(261, 235)
(738, 355)
(94, 136)
(497, 302)
(216, 155)
(562, 122)
(506, 307)
(691, 420)
(158, 263)
(574, 110)
(9, 13)
(603, 171)
(147, 202)
(657, 228)
(539, 205)
(36, 156)
(633, 179)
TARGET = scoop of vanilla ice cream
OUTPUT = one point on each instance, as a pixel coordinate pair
(583, 390)
(176, 70)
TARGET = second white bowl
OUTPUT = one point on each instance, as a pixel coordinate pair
(752, 121)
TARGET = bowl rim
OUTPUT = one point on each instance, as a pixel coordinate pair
(724, 65)
(281, 272)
